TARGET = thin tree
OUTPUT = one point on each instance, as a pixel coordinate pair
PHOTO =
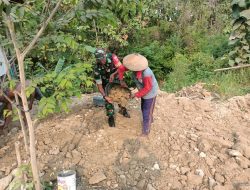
(20, 59)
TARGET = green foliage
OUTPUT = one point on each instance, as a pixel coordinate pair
(178, 78)
(47, 186)
(158, 55)
(230, 84)
(201, 66)
(240, 36)
(59, 87)
(23, 179)
(182, 43)
(189, 70)
(216, 45)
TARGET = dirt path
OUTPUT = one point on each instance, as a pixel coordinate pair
(195, 143)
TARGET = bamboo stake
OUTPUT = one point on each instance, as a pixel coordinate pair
(233, 68)
(25, 135)
(18, 154)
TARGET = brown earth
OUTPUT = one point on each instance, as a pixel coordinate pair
(196, 142)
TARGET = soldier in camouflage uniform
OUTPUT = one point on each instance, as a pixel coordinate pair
(105, 68)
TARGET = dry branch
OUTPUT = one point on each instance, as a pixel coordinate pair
(232, 68)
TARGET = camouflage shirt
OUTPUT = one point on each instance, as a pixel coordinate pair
(102, 72)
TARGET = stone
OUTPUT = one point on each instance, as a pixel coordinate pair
(223, 187)
(142, 153)
(54, 151)
(115, 185)
(172, 166)
(184, 170)
(141, 184)
(244, 187)
(219, 178)
(97, 177)
(199, 172)
(246, 151)
(150, 187)
(75, 153)
(211, 183)
(1, 174)
(202, 155)
(108, 183)
(194, 179)
(209, 161)
(193, 137)
(156, 167)
(203, 145)
(234, 153)
(123, 180)
(71, 147)
(68, 155)
(4, 182)
(243, 162)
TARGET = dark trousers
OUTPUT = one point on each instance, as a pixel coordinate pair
(147, 108)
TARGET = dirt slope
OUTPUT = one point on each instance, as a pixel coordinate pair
(196, 142)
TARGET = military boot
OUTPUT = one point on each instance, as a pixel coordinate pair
(111, 121)
(124, 112)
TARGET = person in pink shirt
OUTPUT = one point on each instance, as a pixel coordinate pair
(146, 84)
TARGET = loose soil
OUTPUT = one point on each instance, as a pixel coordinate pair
(197, 141)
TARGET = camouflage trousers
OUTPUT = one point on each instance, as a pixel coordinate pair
(110, 109)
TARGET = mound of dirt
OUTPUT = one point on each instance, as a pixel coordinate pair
(195, 143)
(196, 91)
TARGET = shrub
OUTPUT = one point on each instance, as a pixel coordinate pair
(178, 77)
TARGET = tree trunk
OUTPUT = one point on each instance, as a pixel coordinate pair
(20, 58)
(30, 125)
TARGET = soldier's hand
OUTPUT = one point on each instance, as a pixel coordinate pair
(132, 95)
(108, 99)
(111, 78)
(123, 83)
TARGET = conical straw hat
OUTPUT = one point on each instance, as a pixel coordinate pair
(135, 62)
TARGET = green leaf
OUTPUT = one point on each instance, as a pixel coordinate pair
(235, 2)
(245, 47)
(236, 11)
(29, 90)
(63, 83)
(237, 24)
(238, 60)
(59, 65)
(64, 106)
(12, 84)
(89, 83)
(242, 3)
(233, 42)
(231, 62)
(90, 49)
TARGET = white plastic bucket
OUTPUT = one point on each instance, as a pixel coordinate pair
(66, 180)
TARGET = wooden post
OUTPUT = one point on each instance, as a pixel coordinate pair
(233, 68)
(18, 154)
(25, 135)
